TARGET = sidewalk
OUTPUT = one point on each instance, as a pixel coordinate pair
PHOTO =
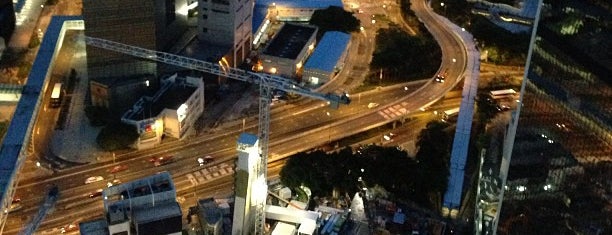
(27, 20)
(77, 141)
(359, 217)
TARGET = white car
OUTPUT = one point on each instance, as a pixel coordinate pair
(372, 105)
(93, 179)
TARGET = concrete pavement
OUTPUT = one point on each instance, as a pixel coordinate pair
(76, 141)
(27, 22)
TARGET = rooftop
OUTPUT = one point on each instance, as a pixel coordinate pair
(328, 51)
(261, 7)
(259, 15)
(176, 95)
(248, 139)
(301, 3)
(157, 212)
(154, 184)
(94, 227)
(209, 210)
(289, 41)
(174, 92)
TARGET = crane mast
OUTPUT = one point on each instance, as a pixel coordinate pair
(267, 83)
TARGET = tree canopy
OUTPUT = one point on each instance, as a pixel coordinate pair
(434, 144)
(116, 136)
(388, 167)
(404, 57)
(334, 19)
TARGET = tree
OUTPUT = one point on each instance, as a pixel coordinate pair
(340, 171)
(487, 108)
(116, 136)
(334, 19)
(403, 57)
(433, 159)
(98, 116)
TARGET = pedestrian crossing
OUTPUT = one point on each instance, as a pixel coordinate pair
(209, 173)
(395, 111)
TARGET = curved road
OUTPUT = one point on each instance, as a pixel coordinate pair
(294, 127)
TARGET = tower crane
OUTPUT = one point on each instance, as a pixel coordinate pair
(267, 83)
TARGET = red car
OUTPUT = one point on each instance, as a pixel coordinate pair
(97, 193)
(158, 161)
(118, 169)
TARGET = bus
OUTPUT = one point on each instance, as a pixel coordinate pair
(450, 114)
(501, 94)
(56, 95)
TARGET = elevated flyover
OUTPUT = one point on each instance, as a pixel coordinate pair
(17, 138)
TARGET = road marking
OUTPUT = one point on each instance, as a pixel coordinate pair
(383, 114)
(192, 179)
(204, 175)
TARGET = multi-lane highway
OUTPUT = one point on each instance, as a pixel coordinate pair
(294, 127)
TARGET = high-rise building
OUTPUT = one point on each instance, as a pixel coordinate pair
(153, 25)
(557, 153)
(227, 23)
(247, 188)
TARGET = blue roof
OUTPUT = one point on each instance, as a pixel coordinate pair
(261, 7)
(19, 5)
(29, 103)
(328, 52)
(259, 15)
(246, 138)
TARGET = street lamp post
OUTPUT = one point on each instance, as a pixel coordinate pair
(328, 127)
(443, 7)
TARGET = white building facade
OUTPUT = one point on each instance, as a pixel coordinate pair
(224, 22)
(172, 111)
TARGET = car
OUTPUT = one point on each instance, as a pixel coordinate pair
(158, 161)
(118, 168)
(93, 179)
(114, 182)
(388, 136)
(373, 105)
(69, 228)
(440, 78)
(502, 107)
(205, 160)
(96, 193)
(14, 207)
(16, 199)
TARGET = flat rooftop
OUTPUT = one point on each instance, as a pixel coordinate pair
(171, 98)
(329, 51)
(153, 184)
(94, 227)
(176, 95)
(157, 212)
(289, 41)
